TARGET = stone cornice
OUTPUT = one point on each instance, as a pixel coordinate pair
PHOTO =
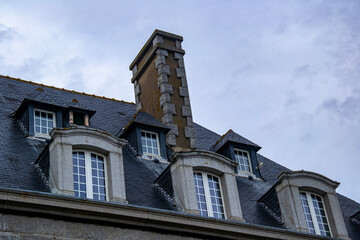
(83, 131)
(73, 209)
(204, 154)
(308, 175)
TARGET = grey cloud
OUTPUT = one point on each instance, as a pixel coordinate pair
(349, 109)
(6, 33)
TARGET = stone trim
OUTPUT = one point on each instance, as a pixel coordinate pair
(137, 92)
(157, 39)
(65, 141)
(182, 173)
(166, 90)
(184, 92)
(288, 192)
(134, 70)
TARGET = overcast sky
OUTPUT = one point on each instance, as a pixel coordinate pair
(284, 74)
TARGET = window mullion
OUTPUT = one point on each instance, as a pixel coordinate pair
(207, 195)
(312, 213)
(89, 190)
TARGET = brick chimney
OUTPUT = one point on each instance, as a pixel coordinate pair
(161, 87)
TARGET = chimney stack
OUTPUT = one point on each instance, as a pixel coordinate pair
(161, 87)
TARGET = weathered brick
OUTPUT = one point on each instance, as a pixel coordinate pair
(174, 129)
(157, 39)
(183, 92)
(159, 60)
(189, 121)
(178, 56)
(164, 69)
(178, 44)
(171, 139)
(169, 108)
(137, 90)
(186, 111)
(134, 70)
(167, 118)
(189, 132)
(187, 101)
(162, 52)
(163, 78)
(181, 63)
(166, 88)
(180, 73)
(165, 97)
(184, 82)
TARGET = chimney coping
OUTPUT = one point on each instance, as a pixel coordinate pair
(148, 45)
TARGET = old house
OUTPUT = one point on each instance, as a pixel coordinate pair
(79, 166)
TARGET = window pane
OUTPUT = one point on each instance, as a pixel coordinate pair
(79, 174)
(307, 213)
(199, 188)
(149, 143)
(320, 215)
(98, 176)
(215, 194)
(241, 157)
(44, 122)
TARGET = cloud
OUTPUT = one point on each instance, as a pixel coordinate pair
(6, 33)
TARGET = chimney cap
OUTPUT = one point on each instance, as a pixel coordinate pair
(148, 44)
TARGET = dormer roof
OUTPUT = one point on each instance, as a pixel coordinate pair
(143, 118)
(231, 136)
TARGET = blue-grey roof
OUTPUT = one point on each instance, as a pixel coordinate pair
(232, 136)
(18, 152)
(142, 117)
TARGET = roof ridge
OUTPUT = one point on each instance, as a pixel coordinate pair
(66, 90)
(230, 130)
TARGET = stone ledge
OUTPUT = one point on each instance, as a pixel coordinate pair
(27, 203)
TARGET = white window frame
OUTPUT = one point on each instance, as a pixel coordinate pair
(157, 141)
(207, 193)
(54, 122)
(312, 212)
(249, 161)
(88, 173)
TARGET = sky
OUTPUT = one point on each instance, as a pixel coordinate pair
(284, 74)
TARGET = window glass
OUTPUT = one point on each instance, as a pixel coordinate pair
(89, 175)
(208, 195)
(43, 122)
(243, 159)
(315, 214)
(79, 118)
(200, 194)
(150, 143)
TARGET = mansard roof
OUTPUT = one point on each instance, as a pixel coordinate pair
(18, 153)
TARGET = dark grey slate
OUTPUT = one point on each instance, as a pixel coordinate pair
(18, 153)
(231, 136)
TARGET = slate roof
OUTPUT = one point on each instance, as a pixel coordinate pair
(18, 153)
(232, 136)
(142, 117)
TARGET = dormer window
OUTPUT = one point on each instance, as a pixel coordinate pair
(243, 159)
(315, 214)
(44, 122)
(150, 143)
(208, 195)
(78, 118)
(308, 203)
(89, 175)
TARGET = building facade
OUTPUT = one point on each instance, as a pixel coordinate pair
(79, 166)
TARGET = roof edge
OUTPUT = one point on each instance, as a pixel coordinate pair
(66, 90)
